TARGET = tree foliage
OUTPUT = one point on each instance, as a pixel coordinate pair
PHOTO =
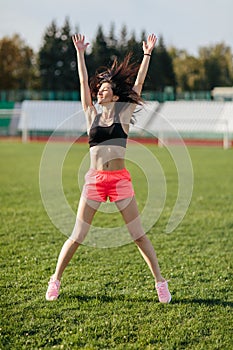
(161, 72)
(17, 64)
(54, 67)
(57, 63)
(217, 65)
(213, 67)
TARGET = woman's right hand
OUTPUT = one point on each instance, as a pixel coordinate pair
(79, 42)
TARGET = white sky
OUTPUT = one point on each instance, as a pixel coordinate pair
(185, 24)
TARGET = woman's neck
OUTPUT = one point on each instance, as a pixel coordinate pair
(108, 107)
(107, 111)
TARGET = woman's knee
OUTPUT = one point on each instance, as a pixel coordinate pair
(140, 239)
(80, 231)
(72, 242)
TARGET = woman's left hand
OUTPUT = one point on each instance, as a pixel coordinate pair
(79, 42)
(150, 44)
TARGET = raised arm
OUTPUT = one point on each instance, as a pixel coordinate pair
(80, 45)
(147, 50)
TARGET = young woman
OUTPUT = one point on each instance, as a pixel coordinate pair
(118, 95)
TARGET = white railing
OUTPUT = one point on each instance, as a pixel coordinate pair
(13, 117)
(180, 129)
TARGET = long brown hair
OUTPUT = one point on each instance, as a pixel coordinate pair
(121, 76)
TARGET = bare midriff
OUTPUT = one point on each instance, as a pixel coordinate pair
(107, 157)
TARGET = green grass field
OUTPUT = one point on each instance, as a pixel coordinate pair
(107, 297)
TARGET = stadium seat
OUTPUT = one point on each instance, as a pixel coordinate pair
(193, 119)
(52, 116)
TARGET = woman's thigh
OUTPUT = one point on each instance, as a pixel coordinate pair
(85, 214)
(129, 211)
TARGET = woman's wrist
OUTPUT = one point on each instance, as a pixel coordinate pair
(147, 54)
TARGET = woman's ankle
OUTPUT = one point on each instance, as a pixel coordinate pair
(160, 279)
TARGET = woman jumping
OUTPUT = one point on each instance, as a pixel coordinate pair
(107, 178)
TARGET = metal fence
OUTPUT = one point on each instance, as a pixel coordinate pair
(168, 95)
(21, 95)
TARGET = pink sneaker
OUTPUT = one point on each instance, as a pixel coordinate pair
(53, 289)
(163, 292)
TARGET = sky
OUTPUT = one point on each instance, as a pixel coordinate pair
(185, 24)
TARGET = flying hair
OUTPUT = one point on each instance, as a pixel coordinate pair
(121, 76)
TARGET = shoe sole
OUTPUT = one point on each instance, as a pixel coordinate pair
(51, 298)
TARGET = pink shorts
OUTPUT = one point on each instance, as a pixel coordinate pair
(101, 185)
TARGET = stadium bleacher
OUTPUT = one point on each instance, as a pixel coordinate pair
(189, 116)
(192, 119)
(143, 115)
(52, 116)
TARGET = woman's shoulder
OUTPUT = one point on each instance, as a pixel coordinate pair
(90, 111)
(125, 111)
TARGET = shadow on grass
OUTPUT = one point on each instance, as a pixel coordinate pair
(209, 302)
(104, 298)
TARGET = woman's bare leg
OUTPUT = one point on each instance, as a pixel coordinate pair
(85, 214)
(129, 211)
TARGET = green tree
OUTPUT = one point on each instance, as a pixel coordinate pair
(57, 60)
(161, 72)
(213, 67)
(49, 58)
(188, 71)
(68, 58)
(123, 42)
(112, 42)
(17, 64)
(100, 52)
(218, 65)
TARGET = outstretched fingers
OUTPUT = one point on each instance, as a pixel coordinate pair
(79, 42)
(149, 44)
(151, 41)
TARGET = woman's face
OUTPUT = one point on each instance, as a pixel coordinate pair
(105, 94)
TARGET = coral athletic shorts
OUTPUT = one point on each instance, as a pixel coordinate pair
(101, 185)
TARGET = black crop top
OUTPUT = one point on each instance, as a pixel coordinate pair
(107, 135)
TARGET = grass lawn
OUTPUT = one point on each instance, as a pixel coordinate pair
(107, 296)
